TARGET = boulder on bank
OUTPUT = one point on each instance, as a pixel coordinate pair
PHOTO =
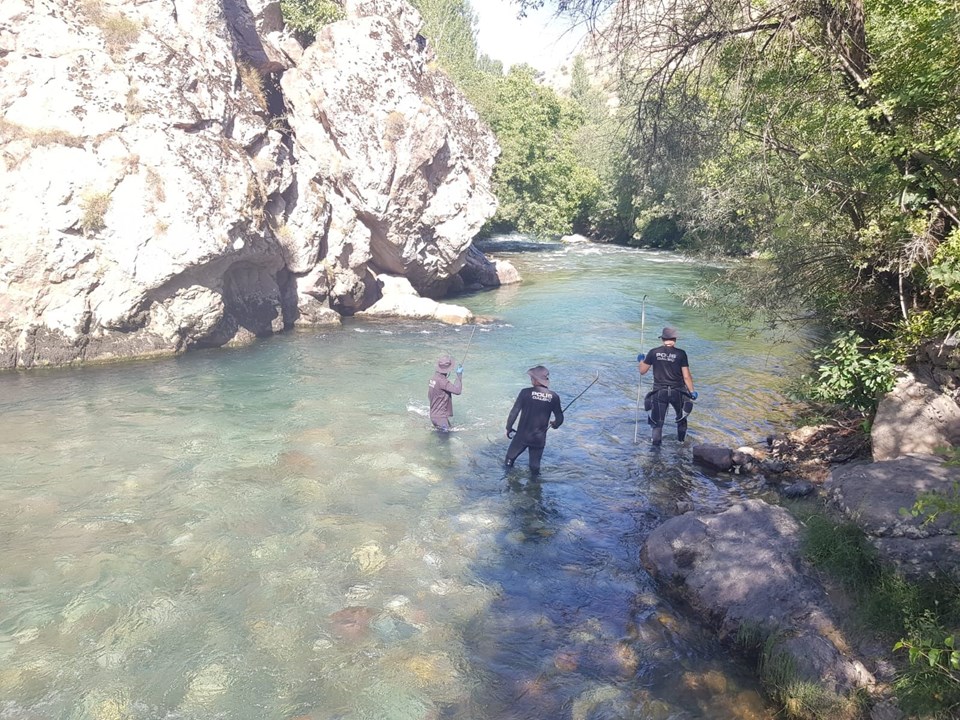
(915, 418)
(877, 496)
(741, 571)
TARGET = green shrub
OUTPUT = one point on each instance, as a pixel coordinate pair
(307, 17)
(94, 206)
(848, 376)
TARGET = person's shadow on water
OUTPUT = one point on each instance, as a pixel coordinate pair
(533, 515)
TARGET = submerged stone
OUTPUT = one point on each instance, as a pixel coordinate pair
(352, 623)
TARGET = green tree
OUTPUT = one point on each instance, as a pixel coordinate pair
(820, 135)
(450, 29)
(540, 183)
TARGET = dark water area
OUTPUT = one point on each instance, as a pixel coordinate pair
(276, 532)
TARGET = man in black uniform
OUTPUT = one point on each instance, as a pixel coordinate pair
(534, 406)
(672, 385)
(440, 393)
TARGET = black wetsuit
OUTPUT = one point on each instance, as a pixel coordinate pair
(669, 390)
(534, 405)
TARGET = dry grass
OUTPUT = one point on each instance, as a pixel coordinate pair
(11, 131)
(394, 128)
(119, 31)
(252, 80)
(155, 183)
(134, 107)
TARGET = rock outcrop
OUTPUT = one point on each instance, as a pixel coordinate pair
(878, 497)
(915, 418)
(740, 569)
(180, 175)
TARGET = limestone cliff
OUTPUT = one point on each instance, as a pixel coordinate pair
(182, 173)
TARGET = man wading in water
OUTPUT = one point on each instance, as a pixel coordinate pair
(441, 392)
(672, 385)
(534, 406)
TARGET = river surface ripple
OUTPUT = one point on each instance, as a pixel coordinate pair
(275, 531)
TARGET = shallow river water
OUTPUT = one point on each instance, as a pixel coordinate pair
(275, 532)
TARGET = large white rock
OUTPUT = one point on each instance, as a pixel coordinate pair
(400, 300)
(390, 139)
(150, 202)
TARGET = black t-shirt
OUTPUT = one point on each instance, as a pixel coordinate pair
(667, 364)
(534, 405)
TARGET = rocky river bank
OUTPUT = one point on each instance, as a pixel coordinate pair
(742, 570)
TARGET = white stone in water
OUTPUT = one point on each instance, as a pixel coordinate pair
(398, 601)
(322, 643)
(110, 709)
(584, 705)
(359, 592)
(182, 539)
(369, 557)
(424, 473)
(81, 607)
(477, 519)
(27, 635)
(443, 587)
(161, 611)
(110, 659)
(210, 683)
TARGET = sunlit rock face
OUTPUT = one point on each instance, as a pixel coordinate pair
(392, 148)
(159, 192)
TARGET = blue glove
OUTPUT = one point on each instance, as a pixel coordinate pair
(694, 395)
(640, 357)
(459, 369)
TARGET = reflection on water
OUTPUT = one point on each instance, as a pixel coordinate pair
(275, 532)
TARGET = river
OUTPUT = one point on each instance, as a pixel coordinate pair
(274, 532)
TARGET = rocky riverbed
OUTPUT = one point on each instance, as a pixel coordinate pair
(741, 571)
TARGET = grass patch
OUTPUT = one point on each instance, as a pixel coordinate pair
(11, 131)
(921, 622)
(308, 17)
(94, 206)
(799, 699)
(252, 80)
(119, 31)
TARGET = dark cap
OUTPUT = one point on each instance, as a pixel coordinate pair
(444, 364)
(668, 333)
(540, 375)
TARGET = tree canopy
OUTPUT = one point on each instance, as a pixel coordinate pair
(543, 185)
(822, 135)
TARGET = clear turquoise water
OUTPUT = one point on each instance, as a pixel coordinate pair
(275, 532)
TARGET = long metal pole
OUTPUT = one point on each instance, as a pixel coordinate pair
(643, 322)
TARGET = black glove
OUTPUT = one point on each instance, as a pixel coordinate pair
(553, 424)
(510, 433)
